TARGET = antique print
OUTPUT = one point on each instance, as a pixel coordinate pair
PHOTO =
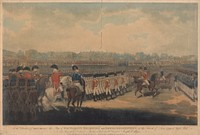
(99, 63)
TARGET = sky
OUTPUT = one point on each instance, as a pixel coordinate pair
(111, 27)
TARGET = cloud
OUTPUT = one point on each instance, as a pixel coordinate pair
(125, 28)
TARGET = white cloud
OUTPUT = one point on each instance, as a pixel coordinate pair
(130, 30)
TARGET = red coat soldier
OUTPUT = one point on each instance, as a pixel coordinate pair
(55, 77)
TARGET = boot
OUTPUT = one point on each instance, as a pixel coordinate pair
(107, 97)
(94, 98)
(88, 97)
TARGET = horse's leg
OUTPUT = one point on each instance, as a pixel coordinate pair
(140, 90)
(73, 103)
(136, 91)
(78, 103)
(81, 101)
(74, 93)
(149, 87)
(40, 104)
(155, 92)
(68, 108)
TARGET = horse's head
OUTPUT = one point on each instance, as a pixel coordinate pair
(66, 81)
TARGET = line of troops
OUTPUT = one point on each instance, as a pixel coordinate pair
(98, 86)
(190, 79)
(106, 86)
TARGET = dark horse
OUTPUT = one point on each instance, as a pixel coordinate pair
(152, 84)
(73, 92)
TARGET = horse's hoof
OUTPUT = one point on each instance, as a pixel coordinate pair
(68, 111)
(80, 110)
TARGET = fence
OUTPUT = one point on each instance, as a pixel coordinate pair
(20, 100)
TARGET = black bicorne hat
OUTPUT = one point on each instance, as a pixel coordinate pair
(74, 67)
(54, 66)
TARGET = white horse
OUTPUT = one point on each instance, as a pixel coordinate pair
(47, 100)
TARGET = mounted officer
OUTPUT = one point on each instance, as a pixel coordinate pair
(145, 77)
(55, 77)
(162, 77)
(76, 77)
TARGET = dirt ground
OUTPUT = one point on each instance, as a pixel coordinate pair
(166, 108)
(166, 102)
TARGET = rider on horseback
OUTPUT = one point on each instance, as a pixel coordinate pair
(162, 77)
(76, 77)
(143, 76)
(55, 77)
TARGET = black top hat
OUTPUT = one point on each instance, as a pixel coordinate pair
(54, 66)
(35, 67)
(74, 67)
(27, 68)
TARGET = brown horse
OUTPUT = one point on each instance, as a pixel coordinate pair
(139, 86)
(154, 84)
(73, 92)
